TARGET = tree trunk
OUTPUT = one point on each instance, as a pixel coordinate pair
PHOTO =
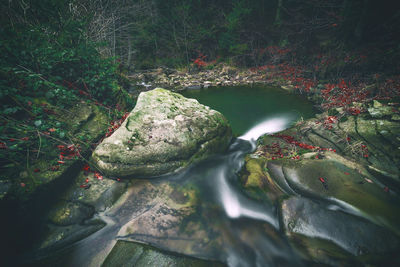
(278, 15)
(128, 61)
(359, 29)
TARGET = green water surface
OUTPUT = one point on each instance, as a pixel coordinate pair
(245, 106)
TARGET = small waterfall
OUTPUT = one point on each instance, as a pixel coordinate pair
(234, 204)
(268, 126)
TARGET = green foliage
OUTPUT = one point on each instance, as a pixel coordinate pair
(38, 64)
(48, 64)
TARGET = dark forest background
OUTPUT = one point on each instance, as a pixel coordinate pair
(54, 52)
(149, 33)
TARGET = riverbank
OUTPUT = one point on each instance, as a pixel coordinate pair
(346, 157)
(336, 131)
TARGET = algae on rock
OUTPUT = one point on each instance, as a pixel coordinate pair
(163, 133)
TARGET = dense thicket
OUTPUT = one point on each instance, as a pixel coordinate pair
(48, 63)
(46, 54)
(173, 32)
(149, 33)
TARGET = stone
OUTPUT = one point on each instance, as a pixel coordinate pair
(376, 104)
(164, 133)
(347, 184)
(168, 212)
(193, 87)
(352, 233)
(396, 117)
(136, 254)
(67, 213)
(4, 187)
(101, 194)
(57, 237)
(378, 110)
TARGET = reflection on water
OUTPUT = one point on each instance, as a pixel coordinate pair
(246, 106)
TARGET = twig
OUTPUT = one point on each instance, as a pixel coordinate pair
(40, 144)
(19, 104)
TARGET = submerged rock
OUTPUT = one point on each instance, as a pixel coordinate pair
(163, 133)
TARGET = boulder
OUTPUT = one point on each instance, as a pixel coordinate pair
(341, 182)
(355, 235)
(136, 254)
(164, 132)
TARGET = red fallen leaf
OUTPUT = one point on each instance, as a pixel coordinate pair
(98, 176)
(25, 138)
(52, 130)
(61, 147)
(86, 168)
(87, 180)
(322, 180)
(61, 162)
(55, 168)
(386, 189)
(346, 173)
(83, 93)
(348, 138)
(3, 145)
(366, 156)
(85, 186)
(316, 157)
(22, 184)
(119, 180)
(36, 170)
(12, 140)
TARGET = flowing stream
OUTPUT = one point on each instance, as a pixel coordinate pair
(248, 231)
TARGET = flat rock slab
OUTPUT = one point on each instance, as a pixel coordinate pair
(354, 234)
(163, 133)
(346, 184)
(135, 254)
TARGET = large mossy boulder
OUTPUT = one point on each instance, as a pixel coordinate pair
(163, 133)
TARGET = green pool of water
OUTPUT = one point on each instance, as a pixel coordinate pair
(245, 106)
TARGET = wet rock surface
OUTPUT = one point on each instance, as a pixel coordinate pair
(169, 212)
(342, 179)
(354, 234)
(221, 75)
(164, 132)
(135, 254)
(334, 184)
